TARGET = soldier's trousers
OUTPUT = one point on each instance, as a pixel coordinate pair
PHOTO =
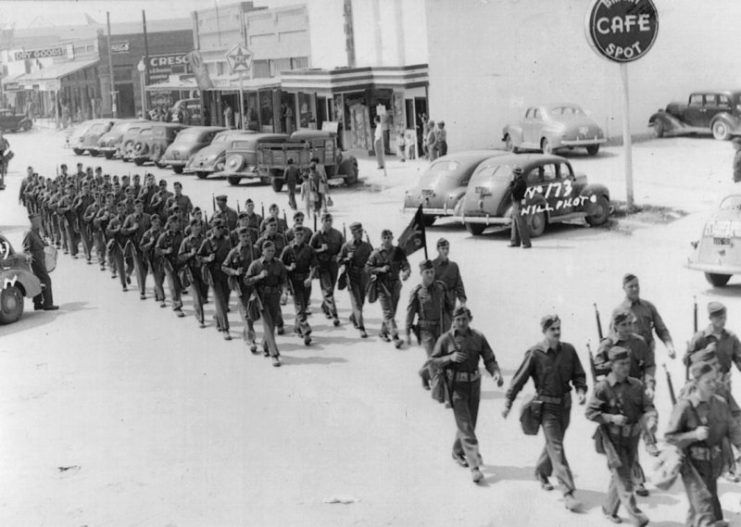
(428, 337)
(61, 226)
(174, 285)
(248, 333)
(388, 297)
(45, 298)
(141, 270)
(73, 238)
(86, 240)
(700, 480)
(622, 480)
(115, 256)
(221, 296)
(100, 247)
(327, 281)
(356, 286)
(198, 291)
(301, 295)
(270, 297)
(519, 232)
(465, 402)
(158, 274)
(556, 419)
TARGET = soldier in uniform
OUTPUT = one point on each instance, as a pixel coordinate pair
(190, 263)
(116, 243)
(100, 225)
(158, 202)
(33, 244)
(181, 200)
(167, 247)
(621, 406)
(428, 302)
(301, 264)
(153, 260)
(88, 219)
(274, 212)
(213, 252)
(135, 226)
(353, 256)
(235, 266)
(448, 273)
(269, 277)
(647, 318)
(66, 209)
(83, 201)
(227, 214)
(147, 192)
(298, 221)
(384, 266)
(553, 366)
(457, 353)
(698, 426)
(254, 220)
(272, 235)
(327, 243)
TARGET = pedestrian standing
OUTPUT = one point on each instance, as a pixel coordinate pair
(353, 256)
(291, 176)
(34, 244)
(327, 243)
(520, 230)
(554, 367)
(442, 139)
(622, 408)
(384, 266)
(448, 273)
(737, 160)
(378, 145)
(458, 353)
(431, 141)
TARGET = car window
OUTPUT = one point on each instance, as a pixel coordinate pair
(188, 136)
(529, 113)
(490, 172)
(696, 100)
(711, 99)
(535, 176)
(731, 203)
(96, 128)
(564, 171)
(724, 102)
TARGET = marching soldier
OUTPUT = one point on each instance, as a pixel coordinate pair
(167, 247)
(457, 353)
(647, 318)
(116, 243)
(274, 212)
(448, 273)
(698, 425)
(269, 277)
(621, 406)
(181, 200)
(213, 252)
(553, 366)
(100, 225)
(327, 243)
(227, 214)
(147, 192)
(298, 221)
(301, 263)
(135, 226)
(428, 302)
(254, 220)
(235, 266)
(88, 219)
(272, 235)
(353, 256)
(190, 263)
(66, 209)
(154, 260)
(384, 266)
(158, 202)
(83, 201)
(241, 222)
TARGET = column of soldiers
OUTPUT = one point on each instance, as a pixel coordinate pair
(144, 228)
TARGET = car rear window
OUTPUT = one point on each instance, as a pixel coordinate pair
(188, 136)
(242, 145)
(96, 128)
(491, 172)
(438, 171)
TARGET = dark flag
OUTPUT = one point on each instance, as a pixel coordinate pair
(413, 238)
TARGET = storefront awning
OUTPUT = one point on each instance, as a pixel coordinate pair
(50, 77)
(348, 79)
(231, 83)
(181, 84)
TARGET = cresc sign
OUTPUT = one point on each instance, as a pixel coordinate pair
(622, 30)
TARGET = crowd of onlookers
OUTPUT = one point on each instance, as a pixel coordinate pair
(434, 141)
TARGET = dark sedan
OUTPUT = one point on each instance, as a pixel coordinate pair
(187, 143)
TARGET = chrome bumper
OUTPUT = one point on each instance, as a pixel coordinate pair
(582, 142)
(486, 220)
(429, 211)
(713, 268)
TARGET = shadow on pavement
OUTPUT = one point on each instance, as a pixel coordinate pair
(495, 474)
(33, 319)
(297, 361)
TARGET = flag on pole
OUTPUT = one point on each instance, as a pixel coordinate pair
(414, 238)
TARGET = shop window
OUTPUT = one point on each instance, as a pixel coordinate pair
(306, 111)
(266, 108)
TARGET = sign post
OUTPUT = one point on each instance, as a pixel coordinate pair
(623, 31)
(239, 59)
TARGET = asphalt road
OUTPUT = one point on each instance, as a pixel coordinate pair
(166, 424)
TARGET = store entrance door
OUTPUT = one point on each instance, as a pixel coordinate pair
(126, 106)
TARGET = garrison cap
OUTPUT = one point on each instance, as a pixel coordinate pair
(716, 308)
(163, 183)
(177, 184)
(138, 201)
(298, 214)
(221, 197)
(442, 242)
(196, 210)
(621, 316)
(326, 216)
(194, 222)
(356, 226)
(217, 222)
(155, 217)
(272, 220)
(548, 320)
(700, 369)
(386, 232)
(249, 202)
(517, 170)
(243, 230)
(424, 265)
(268, 245)
(629, 278)
(617, 353)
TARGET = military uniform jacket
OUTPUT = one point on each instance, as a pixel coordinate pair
(428, 304)
(114, 229)
(239, 257)
(136, 225)
(169, 240)
(627, 398)
(276, 279)
(219, 247)
(727, 347)
(278, 239)
(291, 234)
(642, 358)
(229, 216)
(149, 240)
(394, 258)
(282, 225)
(334, 240)
(303, 256)
(33, 244)
(647, 318)
(470, 342)
(254, 221)
(690, 413)
(354, 255)
(190, 244)
(448, 273)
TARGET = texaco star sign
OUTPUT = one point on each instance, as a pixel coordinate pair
(239, 59)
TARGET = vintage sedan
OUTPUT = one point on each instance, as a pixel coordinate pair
(131, 136)
(187, 143)
(16, 281)
(443, 184)
(716, 112)
(554, 194)
(14, 122)
(554, 127)
(212, 158)
(718, 251)
(151, 147)
(242, 158)
(86, 135)
(110, 141)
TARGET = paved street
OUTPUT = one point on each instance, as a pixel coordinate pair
(166, 424)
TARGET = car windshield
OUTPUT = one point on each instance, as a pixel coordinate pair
(566, 112)
(96, 128)
(220, 137)
(731, 203)
(438, 171)
(119, 128)
(491, 172)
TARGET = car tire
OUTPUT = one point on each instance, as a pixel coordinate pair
(233, 180)
(593, 150)
(721, 130)
(658, 127)
(77, 151)
(428, 220)
(598, 212)
(202, 175)
(545, 146)
(11, 304)
(509, 145)
(178, 169)
(536, 223)
(109, 155)
(277, 184)
(93, 153)
(138, 161)
(475, 228)
(717, 280)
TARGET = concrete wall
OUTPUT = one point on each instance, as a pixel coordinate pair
(278, 33)
(489, 61)
(326, 34)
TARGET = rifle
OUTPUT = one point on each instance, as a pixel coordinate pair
(213, 203)
(599, 322)
(262, 209)
(344, 231)
(238, 211)
(694, 327)
(592, 365)
(669, 383)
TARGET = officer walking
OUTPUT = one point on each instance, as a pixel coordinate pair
(353, 256)
(458, 353)
(448, 273)
(33, 244)
(553, 366)
(327, 243)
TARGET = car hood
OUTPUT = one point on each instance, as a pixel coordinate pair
(209, 150)
(110, 138)
(723, 224)
(181, 151)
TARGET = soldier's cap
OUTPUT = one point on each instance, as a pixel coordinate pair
(549, 320)
(243, 214)
(221, 197)
(138, 201)
(299, 229)
(249, 202)
(621, 316)
(297, 215)
(700, 369)
(196, 210)
(273, 206)
(517, 170)
(629, 278)
(243, 230)
(33, 215)
(177, 184)
(617, 353)
(194, 223)
(442, 242)
(326, 216)
(462, 311)
(356, 226)
(217, 222)
(175, 208)
(272, 220)
(386, 232)
(163, 183)
(705, 354)
(424, 265)
(268, 245)
(155, 217)
(716, 308)
(121, 204)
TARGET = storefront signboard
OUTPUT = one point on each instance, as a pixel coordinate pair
(162, 66)
(40, 53)
(120, 47)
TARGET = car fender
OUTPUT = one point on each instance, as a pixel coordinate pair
(553, 134)
(537, 200)
(26, 280)
(732, 122)
(595, 189)
(515, 132)
(669, 121)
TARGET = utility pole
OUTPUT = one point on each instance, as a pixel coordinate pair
(114, 104)
(146, 58)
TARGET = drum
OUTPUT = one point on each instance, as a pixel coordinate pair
(50, 257)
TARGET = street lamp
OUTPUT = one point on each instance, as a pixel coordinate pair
(141, 68)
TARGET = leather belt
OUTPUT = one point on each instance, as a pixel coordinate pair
(624, 430)
(428, 324)
(464, 376)
(550, 400)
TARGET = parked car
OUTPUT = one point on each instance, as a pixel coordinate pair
(241, 158)
(86, 135)
(110, 141)
(130, 137)
(16, 281)
(716, 112)
(194, 111)
(13, 122)
(718, 251)
(212, 158)
(443, 184)
(554, 194)
(302, 146)
(152, 147)
(187, 143)
(554, 127)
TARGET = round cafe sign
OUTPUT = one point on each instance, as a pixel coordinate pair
(622, 30)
